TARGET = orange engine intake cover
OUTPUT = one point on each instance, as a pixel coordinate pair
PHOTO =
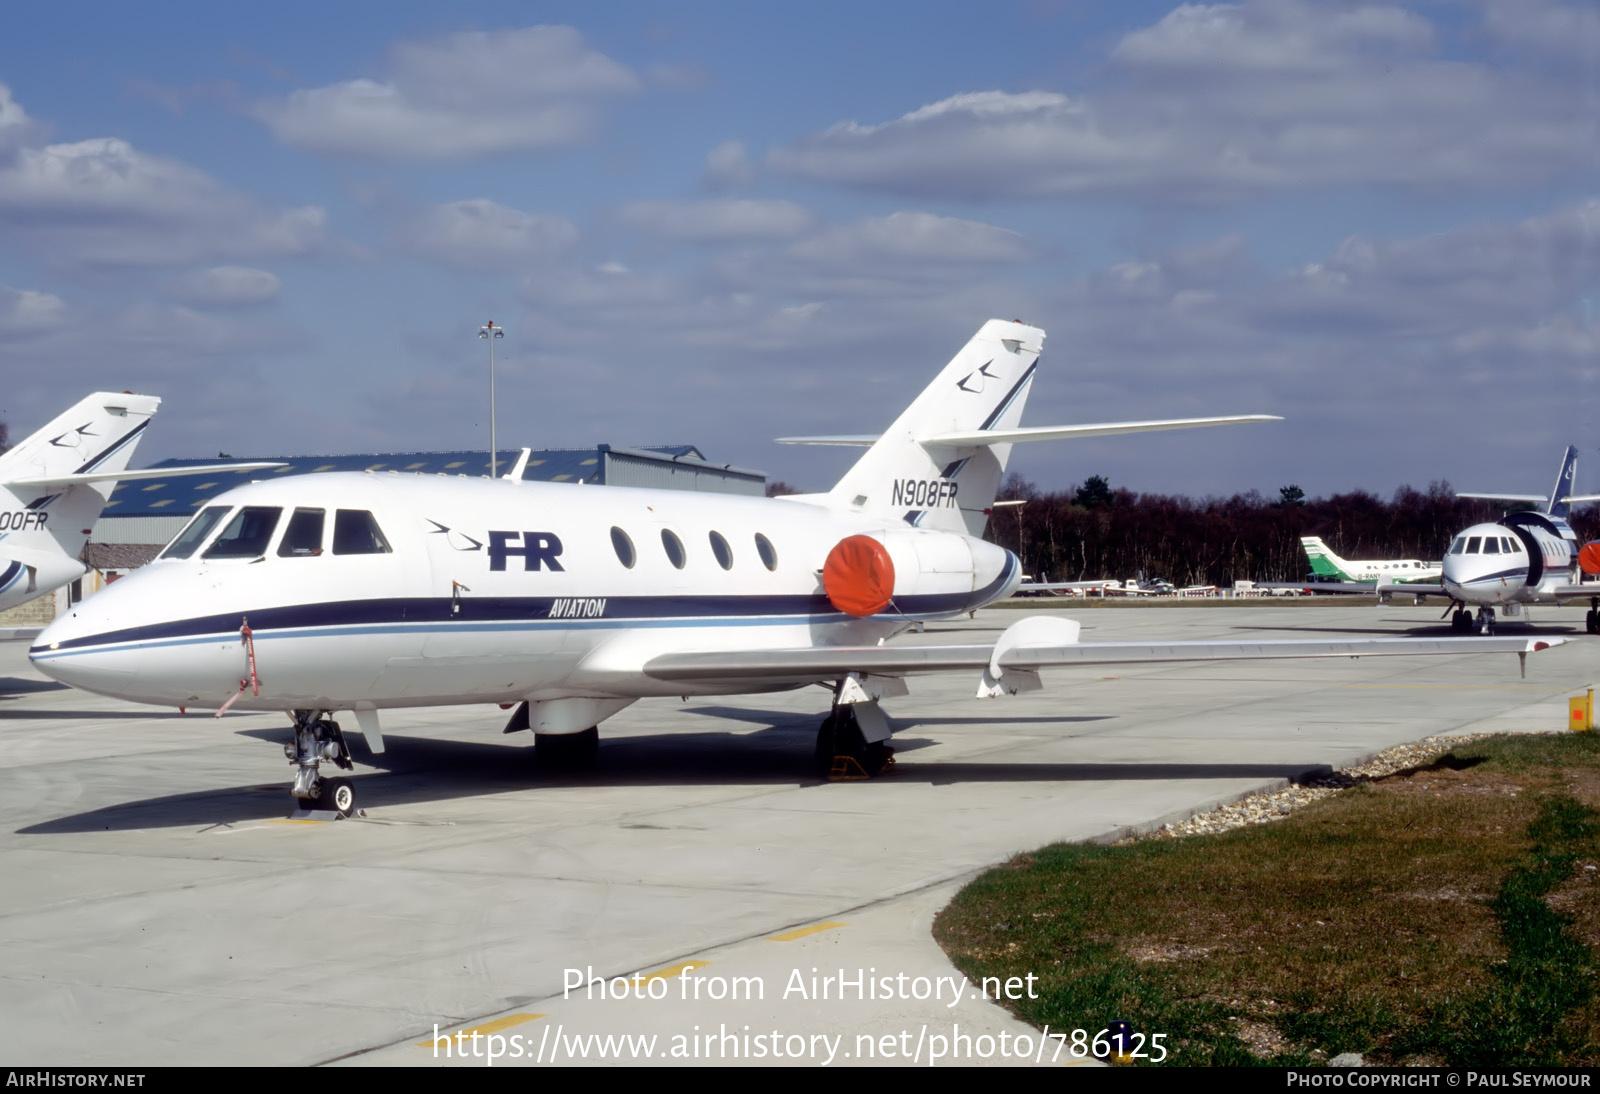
(858, 576)
(1589, 558)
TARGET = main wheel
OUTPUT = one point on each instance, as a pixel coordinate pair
(336, 794)
(1591, 622)
(567, 749)
(840, 735)
(827, 746)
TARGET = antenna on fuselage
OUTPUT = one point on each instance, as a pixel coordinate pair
(515, 474)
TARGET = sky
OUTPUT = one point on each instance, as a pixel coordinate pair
(722, 223)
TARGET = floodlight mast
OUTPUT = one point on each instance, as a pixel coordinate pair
(491, 332)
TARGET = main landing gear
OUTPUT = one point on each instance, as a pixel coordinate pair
(1591, 621)
(567, 750)
(1461, 621)
(843, 751)
(318, 738)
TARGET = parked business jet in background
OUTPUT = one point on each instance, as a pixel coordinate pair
(1523, 558)
(54, 484)
(358, 592)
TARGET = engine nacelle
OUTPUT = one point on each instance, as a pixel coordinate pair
(917, 572)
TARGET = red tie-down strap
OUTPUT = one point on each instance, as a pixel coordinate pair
(254, 683)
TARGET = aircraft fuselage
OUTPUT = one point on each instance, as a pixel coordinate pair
(364, 591)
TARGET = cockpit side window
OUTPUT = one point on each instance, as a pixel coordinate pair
(1459, 547)
(303, 536)
(247, 534)
(1473, 543)
(196, 532)
(356, 532)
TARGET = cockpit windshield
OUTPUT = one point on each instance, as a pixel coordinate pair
(248, 534)
(196, 532)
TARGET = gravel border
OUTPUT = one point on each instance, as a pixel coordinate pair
(1272, 805)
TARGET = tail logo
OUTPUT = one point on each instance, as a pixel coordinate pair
(981, 377)
(82, 431)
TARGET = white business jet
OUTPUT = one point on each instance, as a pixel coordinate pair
(54, 484)
(358, 592)
(1524, 558)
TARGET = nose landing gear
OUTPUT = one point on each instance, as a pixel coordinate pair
(316, 739)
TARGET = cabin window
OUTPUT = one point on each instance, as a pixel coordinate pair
(674, 548)
(1473, 544)
(355, 532)
(769, 557)
(196, 532)
(247, 534)
(303, 536)
(621, 544)
(720, 548)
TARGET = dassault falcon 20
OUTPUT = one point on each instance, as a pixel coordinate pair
(328, 593)
(1524, 558)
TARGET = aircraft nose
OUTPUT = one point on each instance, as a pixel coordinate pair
(92, 670)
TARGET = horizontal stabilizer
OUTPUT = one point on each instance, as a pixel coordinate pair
(1504, 497)
(1064, 432)
(981, 437)
(56, 482)
(1579, 498)
(861, 440)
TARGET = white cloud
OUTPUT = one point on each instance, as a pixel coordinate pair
(104, 203)
(1552, 31)
(1217, 102)
(481, 236)
(27, 314)
(914, 237)
(728, 167)
(720, 221)
(462, 95)
(224, 287)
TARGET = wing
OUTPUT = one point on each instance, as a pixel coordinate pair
(1031, 644)
(1323, 588)
(1409, 588)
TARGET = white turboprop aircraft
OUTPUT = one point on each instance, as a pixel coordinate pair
(1524, 558)
(358, 592)
(54, 484)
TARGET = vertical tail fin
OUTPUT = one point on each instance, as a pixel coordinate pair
(1566, 481)
(949, 487)
(44, 525)
(1324, 563)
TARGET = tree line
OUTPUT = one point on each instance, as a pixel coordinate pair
(1091, 531)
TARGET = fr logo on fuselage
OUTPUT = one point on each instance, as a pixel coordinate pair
(538, 550)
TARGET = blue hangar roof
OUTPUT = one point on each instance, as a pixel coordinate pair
(183, 494)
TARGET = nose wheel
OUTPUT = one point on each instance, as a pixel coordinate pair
(318, 739)
(1485, 621)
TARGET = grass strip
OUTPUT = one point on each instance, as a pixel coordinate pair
(1441, 915)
